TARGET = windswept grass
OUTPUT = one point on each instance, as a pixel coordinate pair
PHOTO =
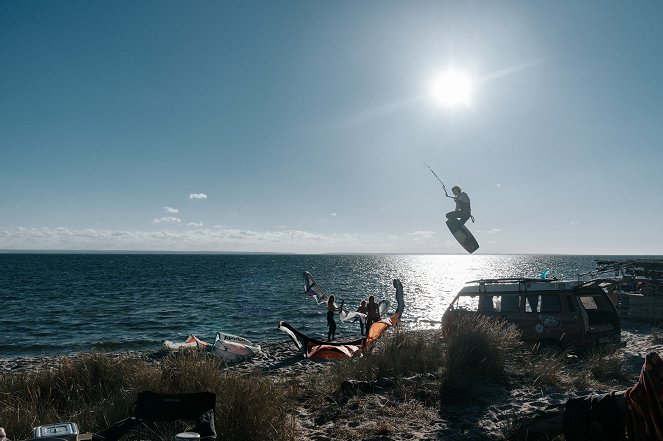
(406, 361)
(477, 349)
(410, 379)
(97, 390)
(399, 354)
(545, 368)
(600, 369)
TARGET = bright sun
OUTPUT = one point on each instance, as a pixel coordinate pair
(453, 89)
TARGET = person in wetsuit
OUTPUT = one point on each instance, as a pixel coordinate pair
(463, 210)
(373, 312)
(363, 309)
(331, 311)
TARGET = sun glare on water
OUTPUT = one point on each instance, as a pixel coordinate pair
(453, 89)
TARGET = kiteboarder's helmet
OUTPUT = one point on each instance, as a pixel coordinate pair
(455, 189)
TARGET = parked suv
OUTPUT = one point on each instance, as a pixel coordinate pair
(563, 314)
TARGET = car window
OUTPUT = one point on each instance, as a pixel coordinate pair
(507, 303)
(469, 303)
(543, 303)
(478, 303)
(596, 302)
(588, 302)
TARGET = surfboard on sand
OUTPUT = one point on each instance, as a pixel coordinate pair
(463, 236)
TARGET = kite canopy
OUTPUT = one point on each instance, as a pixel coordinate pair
(191, 342)
(322, 350)
(228, 347)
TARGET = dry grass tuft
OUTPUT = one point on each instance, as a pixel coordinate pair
(547, 368)
(656, 335)
(605, 366)
(477, 349)
(399, 354)
(96, 390)
(409, 359)
(93, 390)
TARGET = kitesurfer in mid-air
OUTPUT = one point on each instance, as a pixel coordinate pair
(463, 210)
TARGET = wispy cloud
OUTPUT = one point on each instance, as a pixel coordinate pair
(491, 231)
(171, 210)
(422, 235)
(332, 214)
(215, 239)
(197, 196)
(227, 239)
(167, 219)
(195, 224)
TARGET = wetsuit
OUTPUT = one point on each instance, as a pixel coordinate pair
(463, 210)
(372, 316)
(331, 324)
(363, 310)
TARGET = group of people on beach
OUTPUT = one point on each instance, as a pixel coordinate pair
(370, 310)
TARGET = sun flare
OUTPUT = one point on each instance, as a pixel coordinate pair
(453, 89)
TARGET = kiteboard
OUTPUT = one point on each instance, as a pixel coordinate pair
(463, 236)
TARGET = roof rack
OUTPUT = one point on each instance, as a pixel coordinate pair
(648, 268)
(513, 279)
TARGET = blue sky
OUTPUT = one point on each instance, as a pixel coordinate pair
(303, 126)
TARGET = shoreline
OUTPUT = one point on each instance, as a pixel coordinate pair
(275, 352)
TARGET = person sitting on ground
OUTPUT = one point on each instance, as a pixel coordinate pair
(463, 209)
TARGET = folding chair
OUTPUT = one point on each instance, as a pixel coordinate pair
(153, 407)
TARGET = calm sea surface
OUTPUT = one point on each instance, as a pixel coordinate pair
(63, 303)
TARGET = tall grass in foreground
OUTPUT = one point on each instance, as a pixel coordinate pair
(96, 390)
(397, 355)
(477, 348)
(396, 388)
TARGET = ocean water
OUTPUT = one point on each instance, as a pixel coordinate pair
(63, 303)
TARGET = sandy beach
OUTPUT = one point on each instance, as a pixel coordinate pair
(373, 410)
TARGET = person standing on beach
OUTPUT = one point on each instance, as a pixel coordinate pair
(372, 314)
(463, 209)
(331, 311)
(363, 309)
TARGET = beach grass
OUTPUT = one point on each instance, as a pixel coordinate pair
(96, 390)
(410, 379)
(477, 350)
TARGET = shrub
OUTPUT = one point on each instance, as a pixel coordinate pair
(399, 354)
(476, 350)
(546, 367)
(605, 366)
